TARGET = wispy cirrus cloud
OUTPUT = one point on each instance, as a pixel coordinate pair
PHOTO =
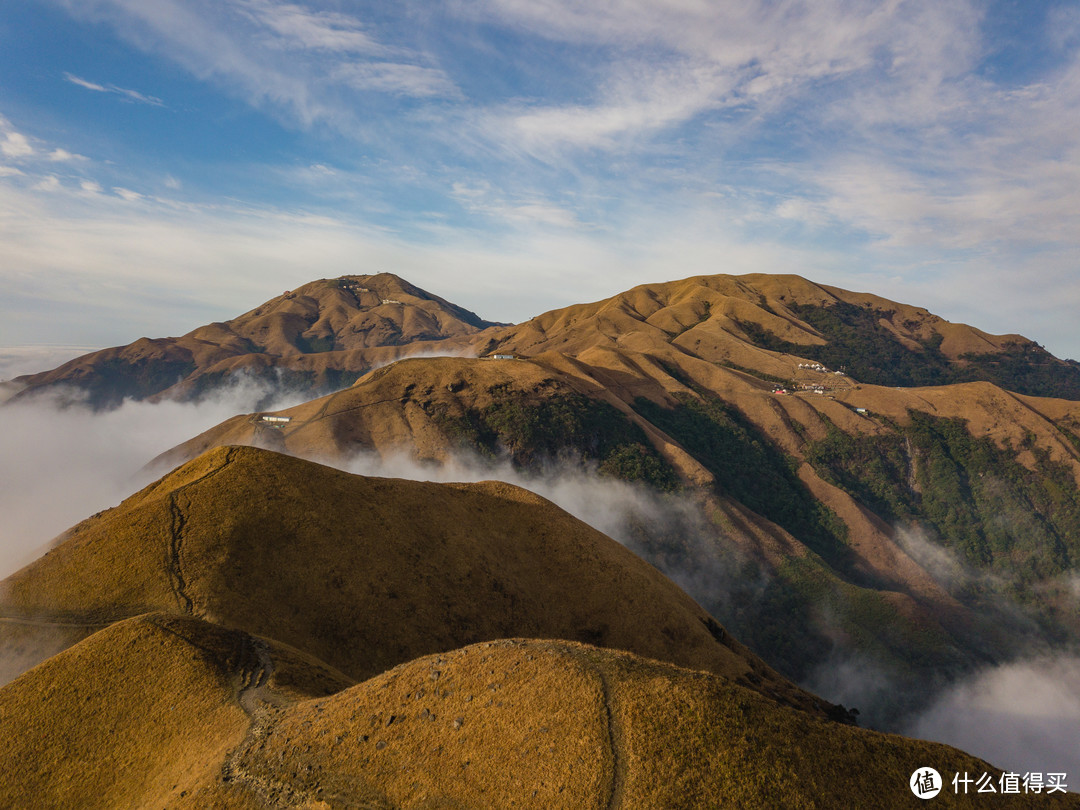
(19, 147)
(298, 27)
(123, 92)
(482, 199)
(670, 62)
(238, 44)
(893, 136)
(63, 156)
(396, 78)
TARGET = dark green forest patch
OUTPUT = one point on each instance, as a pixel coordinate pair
(977, 499)
(560, 426)
(749, 468)
(861, 346)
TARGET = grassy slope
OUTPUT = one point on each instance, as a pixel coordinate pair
(164, 710)
(369, 573)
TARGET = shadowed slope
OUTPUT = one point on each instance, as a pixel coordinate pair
(818, 489)
(367, 573)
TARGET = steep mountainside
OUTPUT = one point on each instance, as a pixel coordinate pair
(769, 324)
(933, 529)
(316, 338)
(265, 632)
(841, 482)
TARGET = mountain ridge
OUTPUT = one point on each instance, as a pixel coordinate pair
(816, 515)
(188, 714)
(327, 333)
(444, 565)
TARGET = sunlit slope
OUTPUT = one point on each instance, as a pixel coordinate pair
(770, 324)
(143, 712)
(326, 333)
(172, 711)
(683, 422)
(318, 337)
(554, 724)
(368, 573)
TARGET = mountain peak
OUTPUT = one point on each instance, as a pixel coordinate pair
(319, 337)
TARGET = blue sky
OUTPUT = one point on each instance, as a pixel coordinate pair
(165, 163)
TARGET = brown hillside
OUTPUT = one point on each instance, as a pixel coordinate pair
(369, 573)
(141, 712)
(319, 336)
(171, 711)
(891, 597)
(328, 332)
(406, 407)
(702, 315)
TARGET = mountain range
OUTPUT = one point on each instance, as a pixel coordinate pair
(869, 515)
(838, 477)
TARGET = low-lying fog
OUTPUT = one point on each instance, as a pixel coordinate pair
(59, 466)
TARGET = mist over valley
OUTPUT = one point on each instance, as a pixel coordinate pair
(893, 538)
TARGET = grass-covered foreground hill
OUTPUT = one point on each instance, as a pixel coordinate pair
(260, 631)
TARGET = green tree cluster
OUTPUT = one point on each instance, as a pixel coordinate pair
(859, 344)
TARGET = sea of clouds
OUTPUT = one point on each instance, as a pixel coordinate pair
(59, 465)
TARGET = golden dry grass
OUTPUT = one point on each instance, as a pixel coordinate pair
(325, 326)
(300, 580)
(629, 346)
(368, 573)
(171, 711)
(143, 712)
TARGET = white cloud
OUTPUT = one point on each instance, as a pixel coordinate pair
(299, 27)
(127, 194)
(10, 171)
(135, 95)
(150, 261)
(238, 44)
(48, 183)
(670, 62)
(89, 85)
(64, 156)
(479, 197)
(128, 94)
(15, 144)
(470, 191)
(396, 78)
(540, 213)
(60, 465)
(18, 360)
(1021, 716)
